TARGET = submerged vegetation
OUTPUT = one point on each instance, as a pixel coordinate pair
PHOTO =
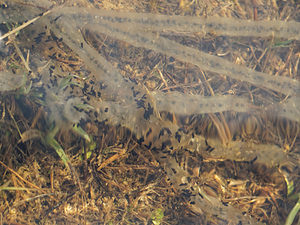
(212, 102)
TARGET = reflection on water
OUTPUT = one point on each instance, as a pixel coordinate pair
(92, 65)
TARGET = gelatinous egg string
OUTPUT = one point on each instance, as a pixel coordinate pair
(116, 100)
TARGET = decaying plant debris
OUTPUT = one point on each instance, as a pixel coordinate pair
(240, 157)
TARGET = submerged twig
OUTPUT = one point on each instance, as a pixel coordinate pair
(17, 29)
